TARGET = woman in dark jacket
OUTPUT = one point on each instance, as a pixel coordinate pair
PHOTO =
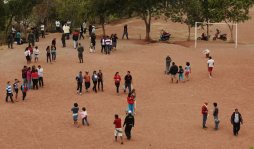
(81, 32)
(168, 61)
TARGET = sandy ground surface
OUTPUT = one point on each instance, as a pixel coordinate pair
(168, 115)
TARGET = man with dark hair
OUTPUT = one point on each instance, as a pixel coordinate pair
(128, 81)
(107, 45)
(75, 114)
(210, 64)
(90, 29)
(36, 32)
(84, 27)
(93, 41)
(236, 118)
(129, 121)
(31, 38)
(79, 79)
(205, 114)
(54, 41)
(80, 52)
(10, 40)
(173, 71)
(118, 128)
(102, 44)
(215, 114)
(75, 39)
(24, 71)
(63, 38)
(125, 31)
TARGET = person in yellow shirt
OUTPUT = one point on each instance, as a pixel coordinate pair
(67, 31)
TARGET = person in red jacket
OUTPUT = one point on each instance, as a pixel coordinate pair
(117, 79)
(130, 101)
(205, 114)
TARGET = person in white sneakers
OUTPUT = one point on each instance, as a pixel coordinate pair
(210, 64)
(40, 71)
(79, 79)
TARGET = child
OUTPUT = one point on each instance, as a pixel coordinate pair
(84, 116)
(24, 90)
(134, 97)
(75, 114)
(187, 70)
(16, 89)
(181, 73)
(27, 53)
(8, 92)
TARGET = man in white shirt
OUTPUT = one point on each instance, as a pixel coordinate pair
(57, 25)
(40, 71)
(42, 31)
(210, 64)
(85, 26)
(64, 28)
(107, 47)
(93, 30)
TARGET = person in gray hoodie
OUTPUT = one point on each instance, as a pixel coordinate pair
(168, 61)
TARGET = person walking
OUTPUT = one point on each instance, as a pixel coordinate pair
(128, 81)
(54, 41)
(63, 39)
(48, 54)
(107, 47)
(95, 80)
(28, 77)
(129, 122)
(111, 43)
(35, 78)
(10, 41)
(67, 31)
(210, 64)
(36, 54)
(168, 61)
(102, 44)
(134, 98)
(81, 32)
(187, 70)
(40, 74)
(75, 114)
(18, 38)
(79, 79)
(57, 25)
(216, 117)
(8, 92)
(85, 26)
(80, 53)
(90, 29)
(75, 39)
(93, 41)
(24, 73)
(114, 40)
(100, 80)
(27, 54)
(205, 114)
(125, 32)
(13, 31)
(117, 79)
(173, 71)
(118, 128)
(24, 89)
(181, 71)
(87, 81)
(30, 38)
(84, 116)
(16, 89)
(130, 100)
(42, 31)
(53, 52)
(236, 119)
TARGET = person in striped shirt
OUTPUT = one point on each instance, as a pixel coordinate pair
(107, 47)
(8, 92)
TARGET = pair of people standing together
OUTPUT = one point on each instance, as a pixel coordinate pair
(128, 82)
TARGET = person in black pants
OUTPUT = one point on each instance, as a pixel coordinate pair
(103, 44)
(129, 121)
(90, 29)
(236, 118)
(128, 81)
(95, 79)
(100, 80)
(117, 79)
(79, 79)
(81, 32)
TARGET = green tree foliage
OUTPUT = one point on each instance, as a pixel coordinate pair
(2, 14)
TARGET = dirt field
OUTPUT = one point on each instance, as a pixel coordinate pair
(168, 115)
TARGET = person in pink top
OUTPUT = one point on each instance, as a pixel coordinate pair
(84, 116)
(35, 79)
(28, 77)
(117, 79)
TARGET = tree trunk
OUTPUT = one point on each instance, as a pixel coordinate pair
(207, 31)
(189, 33)
(148, 25)
(102, 24)
(231, 38)
(8, 28)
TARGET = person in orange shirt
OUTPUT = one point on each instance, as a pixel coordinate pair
(87, 81)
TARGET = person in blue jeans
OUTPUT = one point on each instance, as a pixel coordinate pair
(181, 73)
(215, 114)
(130, 101)
(125, 32)
(75, 114)
(128, 81)
(84, 116)
(205, 114)
(53, 52)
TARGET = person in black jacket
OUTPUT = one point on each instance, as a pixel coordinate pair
(81, 32)
(93, 41)
(129, 121)
(173, 71)
(102, 44)
(125, 32)
(90, 29)
(75, 39)
(54, 41)
(236, 118)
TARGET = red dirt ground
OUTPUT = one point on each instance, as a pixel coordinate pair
(168, 115)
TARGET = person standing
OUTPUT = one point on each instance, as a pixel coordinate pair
(128, 81)
(93, 30)
(173, 71)
(63, 39)
(90, 29)
(107, 47)
(31, 38)
(87, 81)
(205, 114)
(85, 26)
(53, 52)
(79, 80)
(28, 77)
(114, 40)
(42, 31)
(80, 52)
(16, 89)
(100, 80)
(134, 98)
(40, 74)
(118, 128)
(8, 92)
(129, 121)
(102, 44)
(24, 73)
(84, 116)
(10, 41)
(125, 32)
(36, 34)
(130, 100)
(93, 41)
(181, 71)
(48, 55)
(57, 25)
(36, 54)
(54, 41)
(67, 31)
(236, 118)
(27, 54)
(95, 80)
(35, 78)
(75, 39)
(168, 61)
(30, 48)
(13, 31)
(187, 70)
(117, 79)
(24, 89)
(69, 24)
(210, 64)
(81, 32)
(215, 114)
(18, 38)
(75, 114)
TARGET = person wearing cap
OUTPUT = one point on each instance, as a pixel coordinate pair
(40, 71)
(79, 80)
(168, 61)
(235, 120)
(210, 64)
(87, 81)
(93, 30)
(125, 32)
(205, 114)
(129, 121)
(54, 41)
(118, 128)
(80, 52)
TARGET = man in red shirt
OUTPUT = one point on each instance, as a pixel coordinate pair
(118, 128)
(205, 114)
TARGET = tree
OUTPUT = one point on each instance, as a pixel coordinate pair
(2, 14)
